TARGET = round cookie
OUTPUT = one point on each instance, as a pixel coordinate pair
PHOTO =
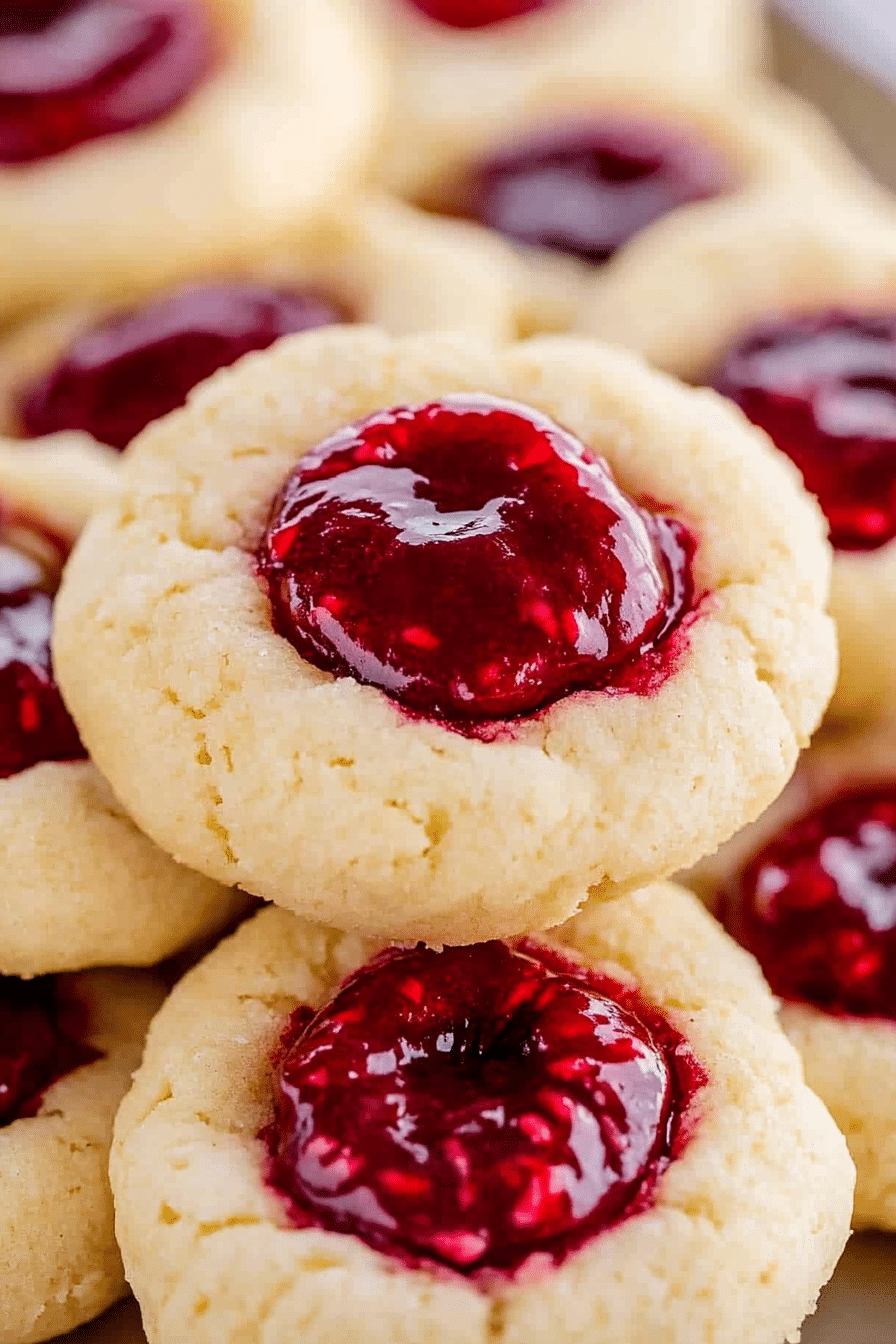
(849, 1059)
(450, 84)
(744, 1225)
(279, 102)
(60, 1265)
(410, 825)
(570, 171)
(107, 369)
(778, 261)
(82, 886)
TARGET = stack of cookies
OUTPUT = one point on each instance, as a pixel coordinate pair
(409, 633)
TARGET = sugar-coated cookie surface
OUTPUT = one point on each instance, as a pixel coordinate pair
(773, 260)
(59, 1262)
(284, 117)
(746, 1225)
(164, 642)
(848, 1060)
(83, 886)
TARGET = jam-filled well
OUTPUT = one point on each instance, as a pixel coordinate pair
(585, 190)
(823, 387)
(474, 561)
(40, 1042)
(477, 1106)
(34, 723)
(817, 906)
(76, 70)
(117, 377)
(479, 13)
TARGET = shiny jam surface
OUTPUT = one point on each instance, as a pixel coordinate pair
(137, 366)
(479, 13)
(817, 906)
(39, 1043)
(34, 723)
(474, 561)
(586, 190)
(477, 1107)
(824, 389)
(78, 70)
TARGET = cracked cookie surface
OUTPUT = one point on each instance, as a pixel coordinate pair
(83, 886)
(59, 1261)
(194, 1209)
(164, 637)
(776, 260)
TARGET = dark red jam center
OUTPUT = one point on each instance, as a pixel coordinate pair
(475, 562)
(824, 389)
(34, 723)
(40, 1030)
(79, 69)
(817, 906)
(586, 190)
(478, 13)
(118, 377)
(478, 1105)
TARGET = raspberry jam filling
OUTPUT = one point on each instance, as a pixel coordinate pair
(817, 906)
(34, 723)
(76, 70)
(39, 1043)
(476, 1106)
(824, 389)
(137, 366)
(478, 13)
(474, 561)
(586, 190)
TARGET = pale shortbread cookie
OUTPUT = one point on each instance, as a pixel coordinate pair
(317, 792)
(849, 1061)
(768, 138)
(386, 262)
(450, 86)
(775, 258)
(283, 122)
(746, 1226)
(82, 886)
(59, 1262)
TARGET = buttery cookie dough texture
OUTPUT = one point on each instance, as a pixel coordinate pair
(59, 1261)
(385, 262)
(850, 1062)
(764, 137)
(774, 259)
(450, 86)
(221, 740)
(285, 120)
(747, 1224)
(82, 885)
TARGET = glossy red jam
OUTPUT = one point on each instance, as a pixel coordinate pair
(586, 190)
(75, 70)
(39, 1043)
(478, 13)
(34, 723)
(477, 1106)
(824, 389)
(817, 906)
(474, 561)
(137, 366)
